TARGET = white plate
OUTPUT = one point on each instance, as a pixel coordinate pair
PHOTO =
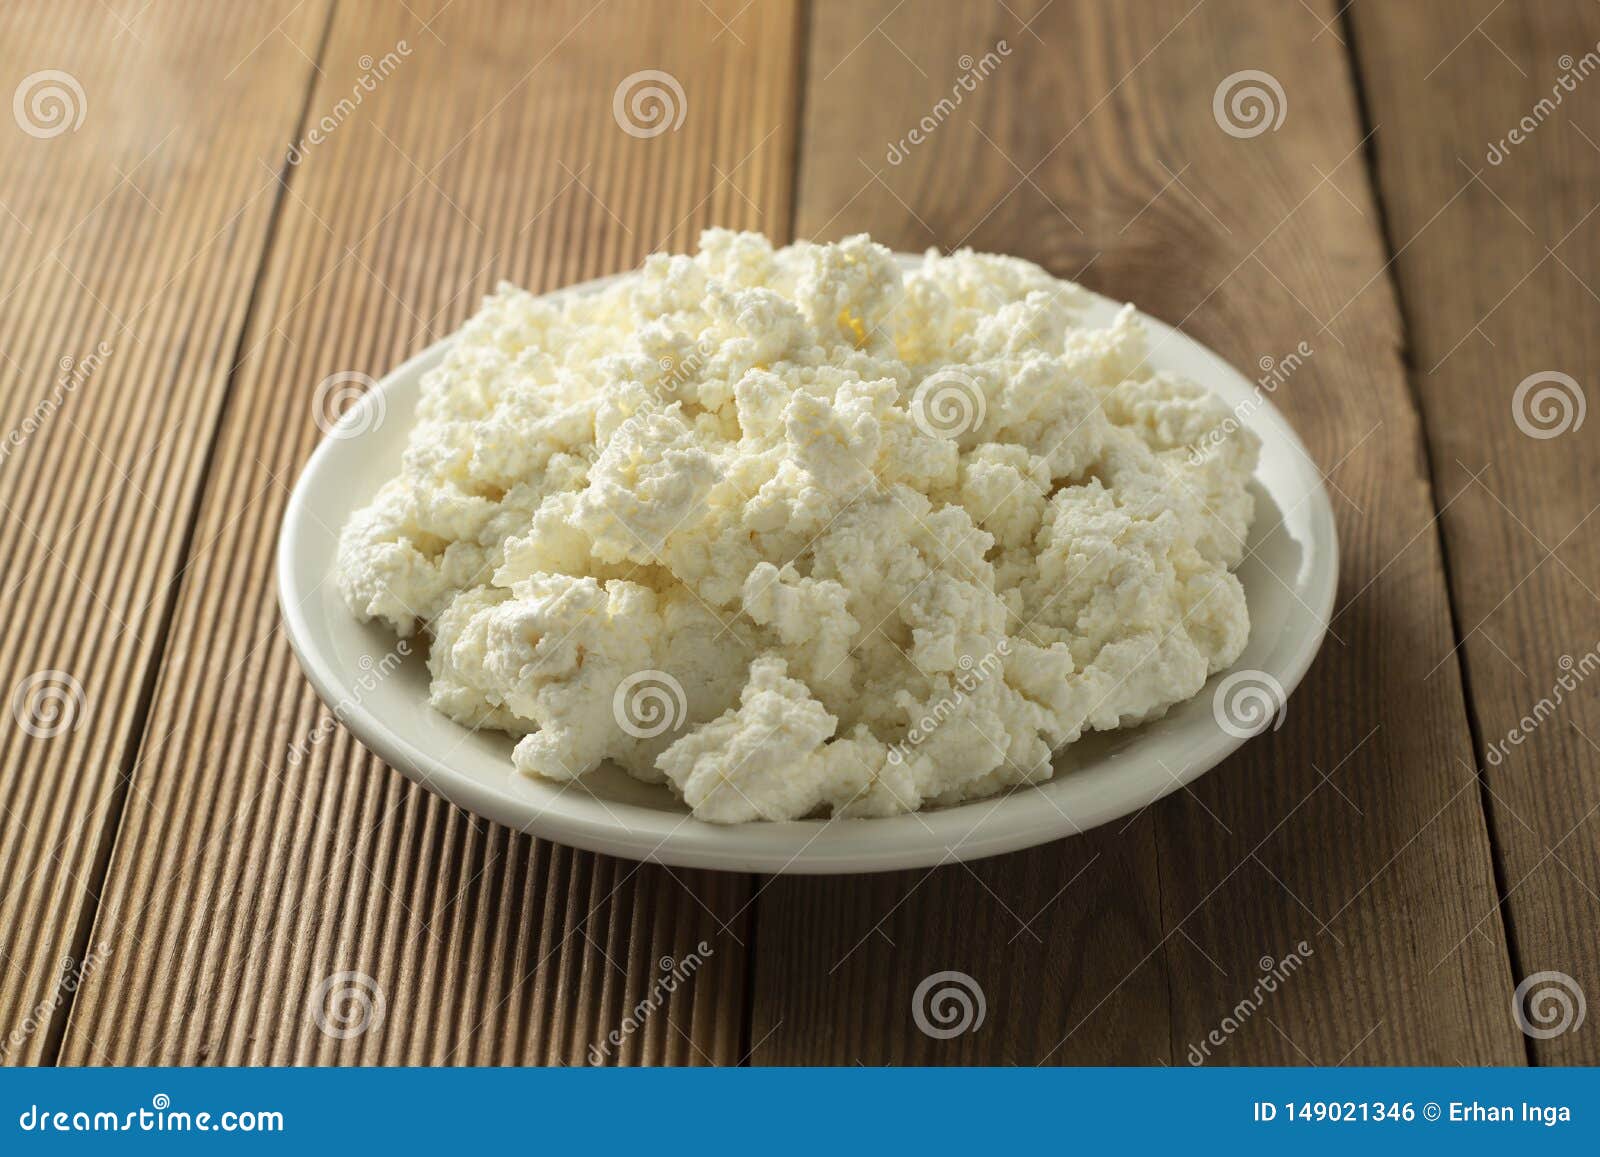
(1288, 577)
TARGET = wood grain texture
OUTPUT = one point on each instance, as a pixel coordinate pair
(1356, 829)
(134, 212)
(1426, 861)
(1499, 271)
(243, 881)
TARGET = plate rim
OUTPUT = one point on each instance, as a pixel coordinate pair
(835, 846)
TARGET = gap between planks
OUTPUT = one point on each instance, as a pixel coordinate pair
(1369, 127)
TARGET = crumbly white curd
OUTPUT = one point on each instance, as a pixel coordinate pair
(797, 532)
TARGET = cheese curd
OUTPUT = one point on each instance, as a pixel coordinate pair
(797, 532)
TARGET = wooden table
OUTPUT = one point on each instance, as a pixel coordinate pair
(258, 197)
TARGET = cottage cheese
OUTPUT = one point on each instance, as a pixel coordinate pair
(798, 533)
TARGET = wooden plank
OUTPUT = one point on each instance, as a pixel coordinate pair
(134, 212)
(1498, 270)
(1093, 147)
(243, 883)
